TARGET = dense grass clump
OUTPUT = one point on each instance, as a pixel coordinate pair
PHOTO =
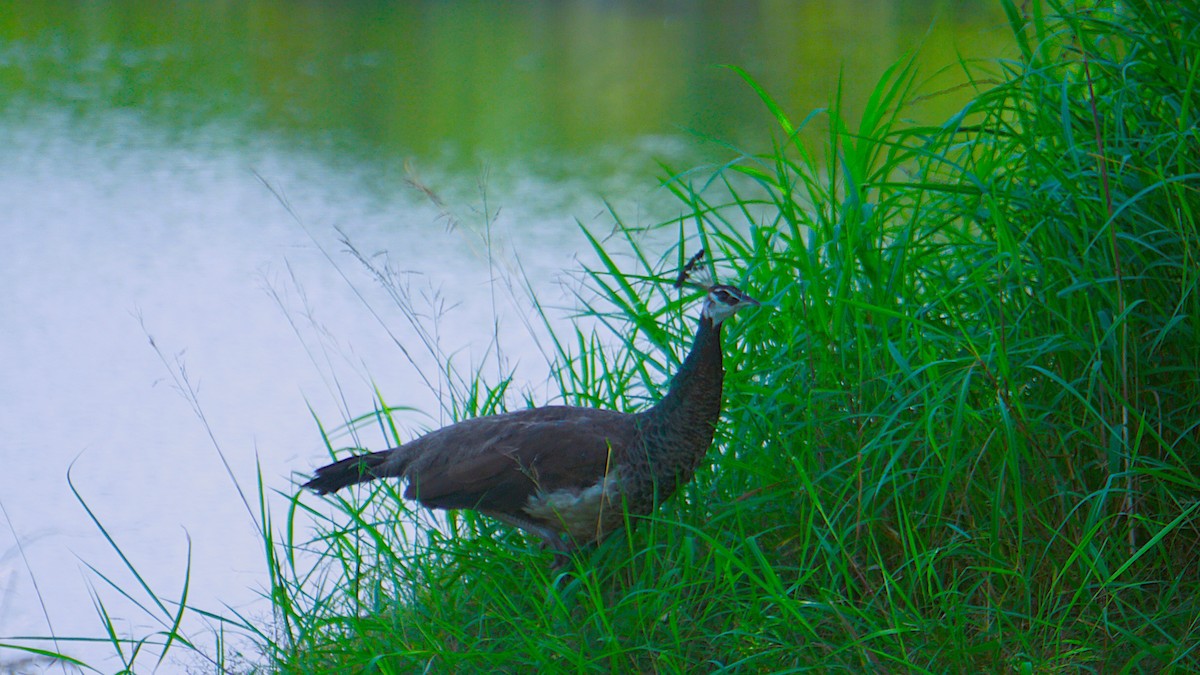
(965, 438)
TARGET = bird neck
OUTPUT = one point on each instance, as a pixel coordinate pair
(677, 431)
(700, 377)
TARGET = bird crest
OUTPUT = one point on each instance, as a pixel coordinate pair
(690, 269)
(721, 300)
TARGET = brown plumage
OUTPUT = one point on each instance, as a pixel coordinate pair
(562, 470)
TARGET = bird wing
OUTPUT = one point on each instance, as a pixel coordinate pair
(497, 462)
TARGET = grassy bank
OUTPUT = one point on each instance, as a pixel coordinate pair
(965, 439)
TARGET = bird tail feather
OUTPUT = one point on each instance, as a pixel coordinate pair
(357, 469)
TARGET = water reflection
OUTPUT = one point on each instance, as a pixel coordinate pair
(129, 142)
(500, 79)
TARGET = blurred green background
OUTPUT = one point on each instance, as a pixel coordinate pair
(454, 83)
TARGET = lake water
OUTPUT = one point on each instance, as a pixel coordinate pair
(134, 141)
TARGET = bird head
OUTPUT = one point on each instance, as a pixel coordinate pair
(723, 301)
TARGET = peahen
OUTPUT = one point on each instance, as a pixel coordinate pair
(567, 474)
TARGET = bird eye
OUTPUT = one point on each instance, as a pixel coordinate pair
(723, 295)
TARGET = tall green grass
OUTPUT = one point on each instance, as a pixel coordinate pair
(964, 437)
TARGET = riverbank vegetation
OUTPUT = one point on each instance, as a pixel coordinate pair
(965, 438)
(965, 435)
